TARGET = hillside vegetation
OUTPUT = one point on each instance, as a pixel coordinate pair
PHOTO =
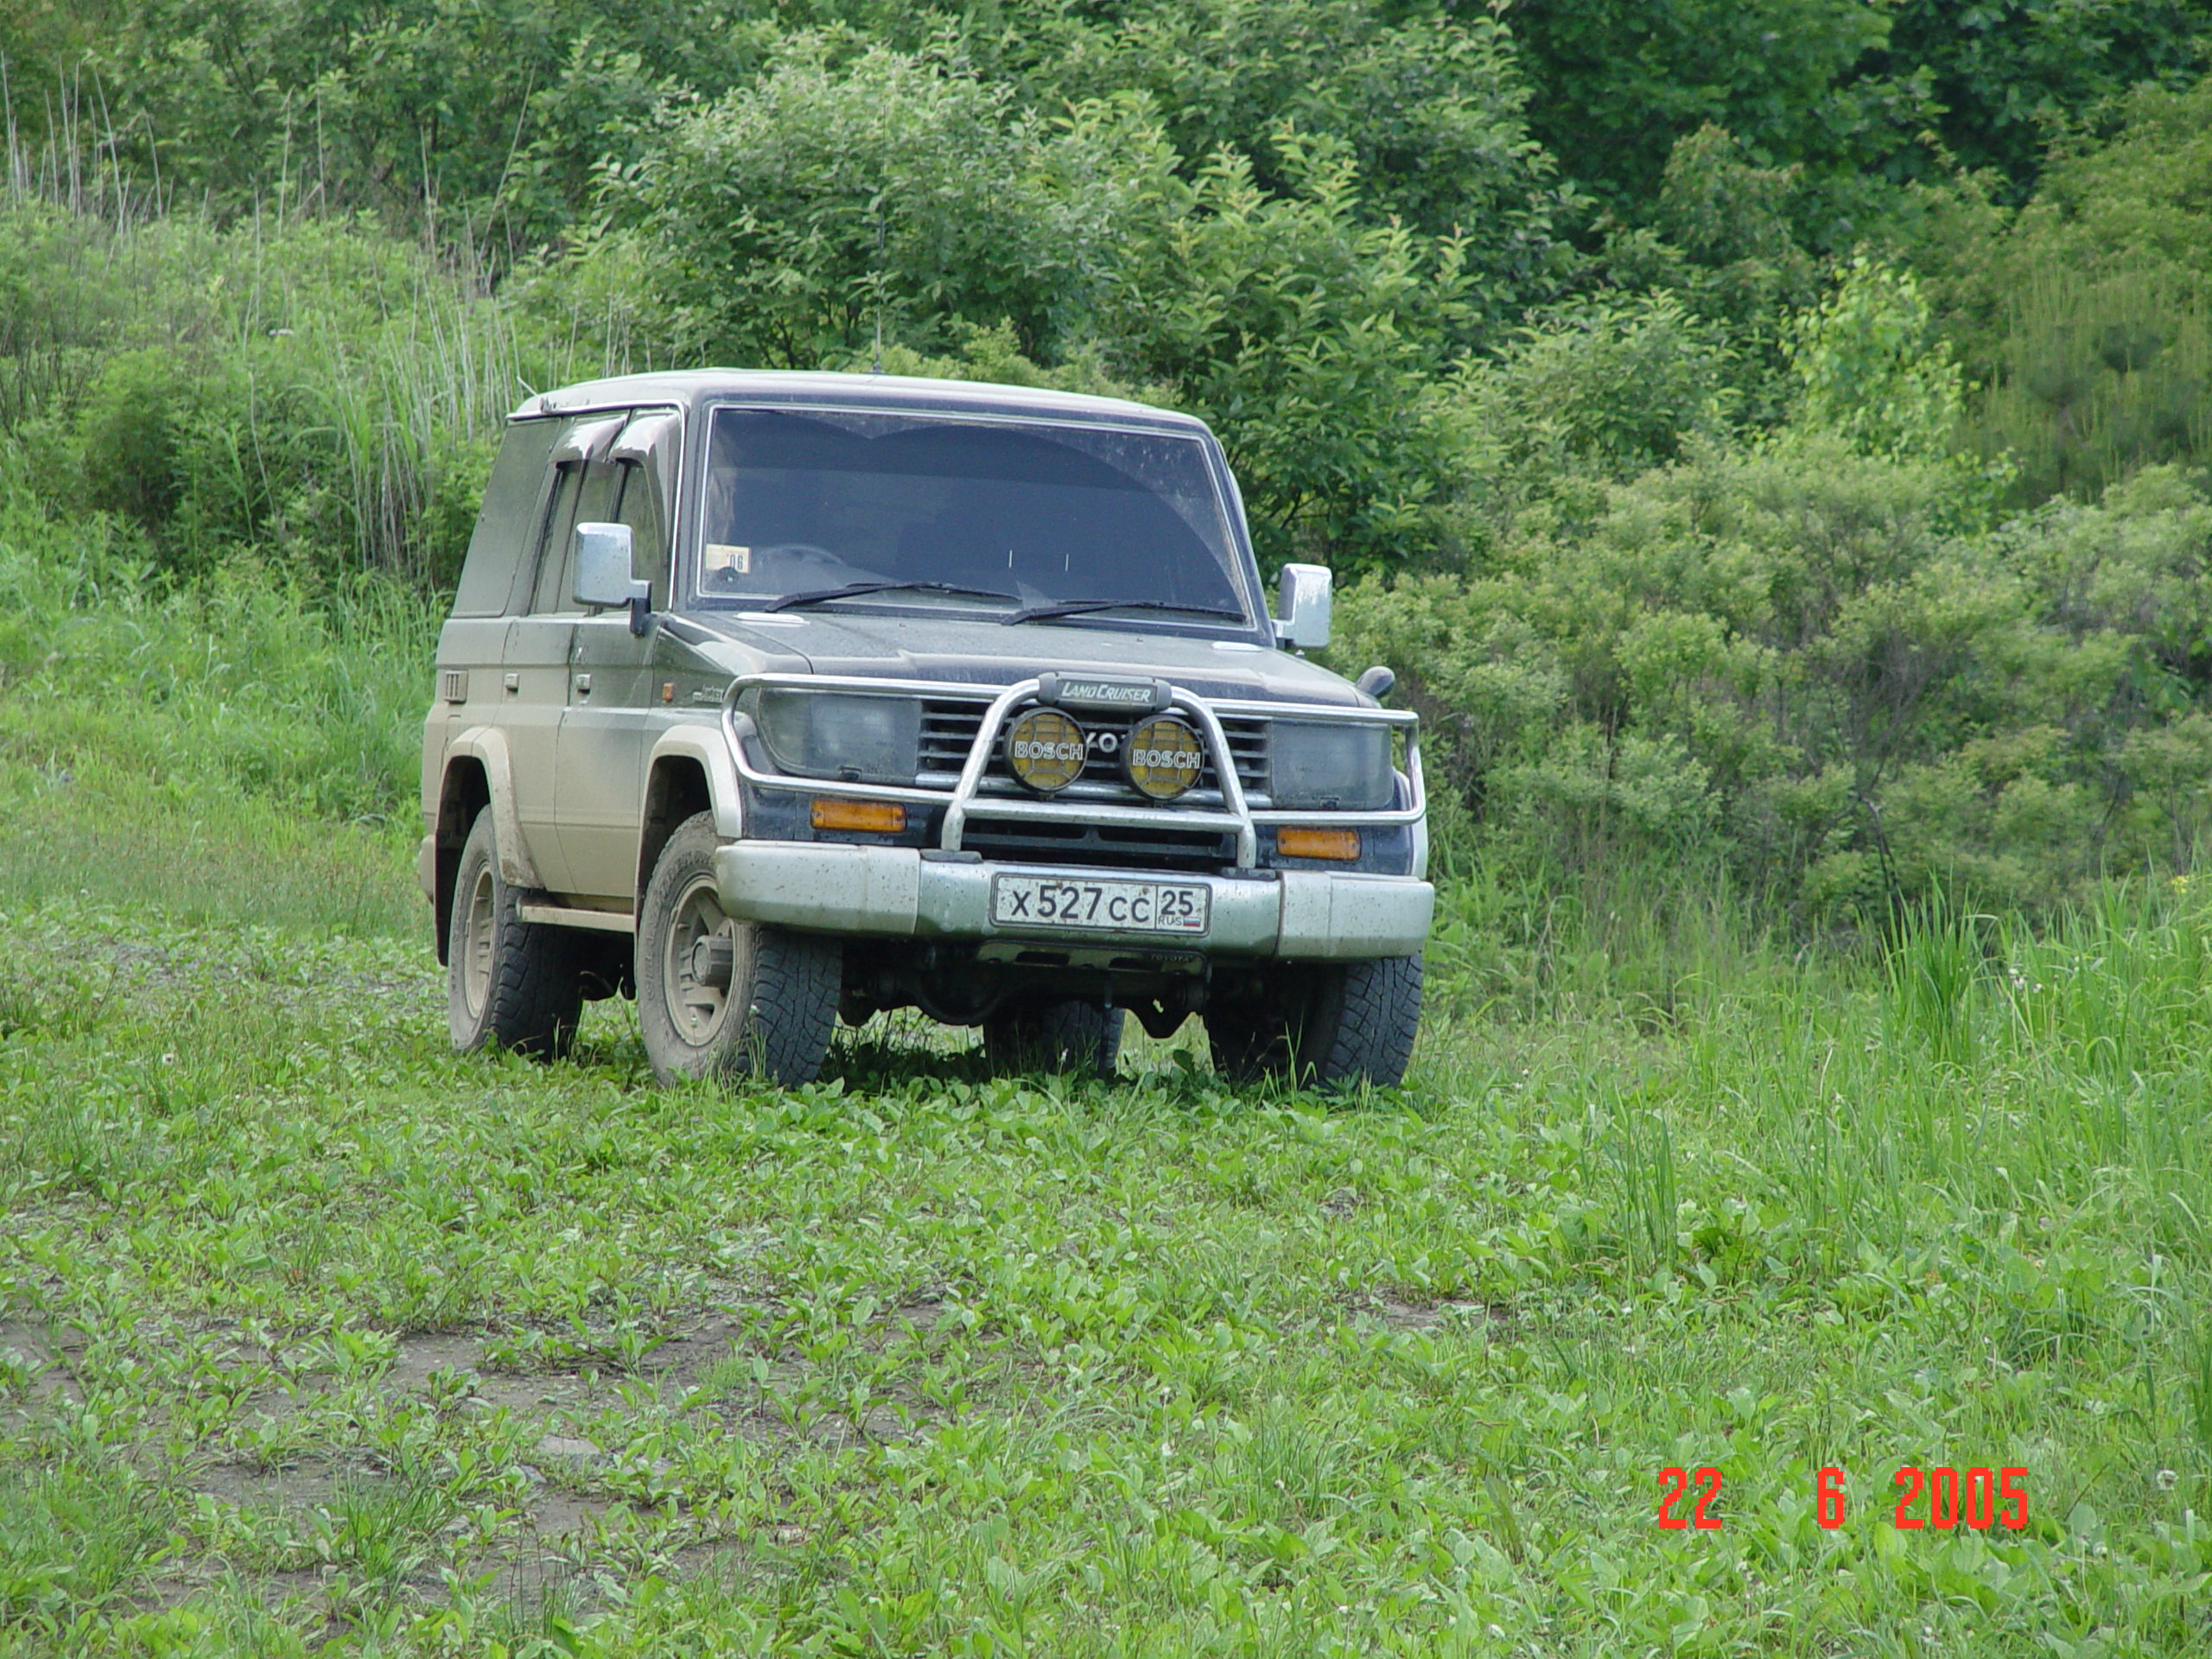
(1772, 438)
(1771, 442)
(316, 1338)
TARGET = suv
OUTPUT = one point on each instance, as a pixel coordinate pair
(774, 698)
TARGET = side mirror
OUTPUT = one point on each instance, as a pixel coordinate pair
(603, 575)
(1302, 606)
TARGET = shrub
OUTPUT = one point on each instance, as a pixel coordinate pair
(1793, 660)
(1310, 337)
(788, 218)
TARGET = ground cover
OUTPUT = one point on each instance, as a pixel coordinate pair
(313, 1335)
(317, 1335)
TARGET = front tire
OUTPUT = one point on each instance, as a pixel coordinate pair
(721, 998)
(508, 981)
(1334, 1026)
(1056, 1037)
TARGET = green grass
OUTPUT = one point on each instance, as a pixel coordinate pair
(314, 1336)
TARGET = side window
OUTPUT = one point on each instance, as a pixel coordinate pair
(556, 536)
(504, 544)
(640, 508)
(586, 496)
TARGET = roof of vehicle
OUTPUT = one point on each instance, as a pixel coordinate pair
(687, 387)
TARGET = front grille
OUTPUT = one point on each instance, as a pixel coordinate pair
(949, 730)
(948, 733)
(1112, 846)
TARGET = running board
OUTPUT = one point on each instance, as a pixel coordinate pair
(602, 921)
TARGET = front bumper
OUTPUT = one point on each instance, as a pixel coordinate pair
(901, 892)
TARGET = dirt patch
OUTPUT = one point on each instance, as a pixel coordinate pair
(294, 1487)
(1402, 1315)
(682, 1359)
(419, 1356)
(554, 1514)
(35, 1364)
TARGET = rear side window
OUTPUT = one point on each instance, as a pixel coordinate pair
(505, 528)
(640, 510)
(586, 496)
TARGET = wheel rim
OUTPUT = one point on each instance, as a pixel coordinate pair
(476, 945)
(699, 965)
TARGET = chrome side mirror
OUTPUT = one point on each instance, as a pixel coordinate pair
(603, 572)
(1302, 606)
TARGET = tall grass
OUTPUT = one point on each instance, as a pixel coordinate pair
(306, 385)
(243, 746)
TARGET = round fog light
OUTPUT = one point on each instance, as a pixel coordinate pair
(1165, 758)
(1044, 750)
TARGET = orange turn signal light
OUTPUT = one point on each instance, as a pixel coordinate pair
(1292, 842)
(884, 818)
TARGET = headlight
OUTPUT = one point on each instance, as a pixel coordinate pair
(861, 739)
(1336, 766)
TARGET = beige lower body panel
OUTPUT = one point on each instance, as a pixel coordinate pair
(824, 887)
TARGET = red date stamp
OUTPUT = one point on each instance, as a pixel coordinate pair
(1977, 1497)
(1972, 1496)
(1673, 1482)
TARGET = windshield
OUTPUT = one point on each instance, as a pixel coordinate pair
(990, 516)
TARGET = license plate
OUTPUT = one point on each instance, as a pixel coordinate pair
(1112, 907)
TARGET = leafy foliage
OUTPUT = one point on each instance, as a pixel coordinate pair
(2084, 315)
(1617, 81)
(1430, 107)
(789, 220)
(1787, 660)
(2005, 79)
(1733, 475)
(1308, 335)
(1872, 368)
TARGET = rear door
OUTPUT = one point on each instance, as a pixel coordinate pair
(534, 690)
(502, 555)
(608, 726)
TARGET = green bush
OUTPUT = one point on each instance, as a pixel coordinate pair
(1311, 338)
(1431, 108)
(788, 217)
(782, 226)
(1791, 661)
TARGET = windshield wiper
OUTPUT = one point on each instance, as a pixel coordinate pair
(1084, 606)
(855, 589)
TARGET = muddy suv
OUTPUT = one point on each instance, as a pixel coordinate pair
(771, 699)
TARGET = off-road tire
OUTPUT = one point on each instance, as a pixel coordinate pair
(1334, 1027)
(773, 1016)
(1056, 1037)
(516, 983)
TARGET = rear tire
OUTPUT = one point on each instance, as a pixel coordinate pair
(1055, 1037)
(1335, 1027)
(508, 981)
(721, 998)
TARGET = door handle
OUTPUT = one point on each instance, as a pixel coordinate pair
(583, 685)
